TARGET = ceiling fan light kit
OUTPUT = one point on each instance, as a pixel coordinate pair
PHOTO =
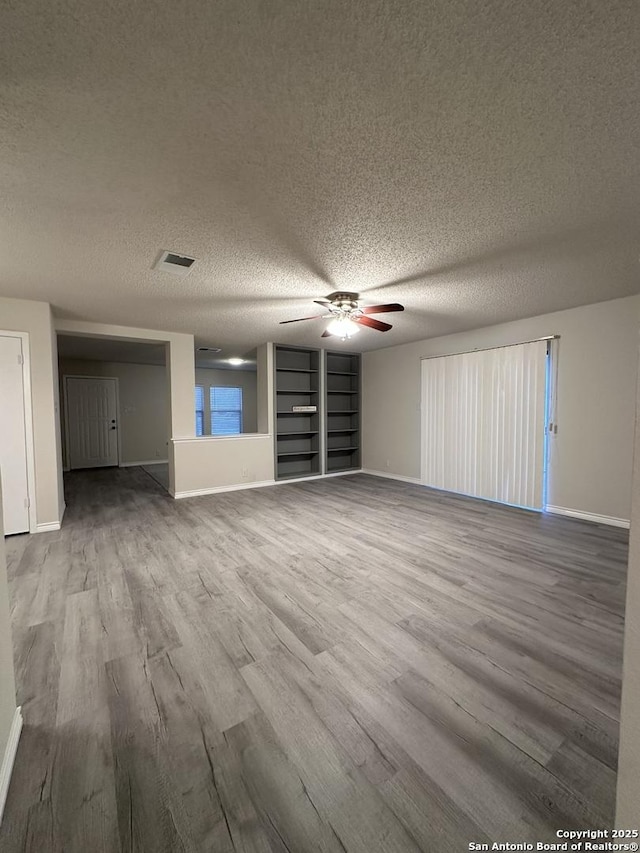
(347, 315)
(343, 327)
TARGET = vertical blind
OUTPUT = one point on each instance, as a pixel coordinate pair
(483, 421)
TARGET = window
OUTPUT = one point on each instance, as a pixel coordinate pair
(199, 409)
(226, 410)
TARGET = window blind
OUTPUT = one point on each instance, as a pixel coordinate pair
(199, 410)
(226, 410)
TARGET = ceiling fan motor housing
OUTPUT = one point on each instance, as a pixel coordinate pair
(344, 300)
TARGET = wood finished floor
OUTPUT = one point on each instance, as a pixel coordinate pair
(352, 664)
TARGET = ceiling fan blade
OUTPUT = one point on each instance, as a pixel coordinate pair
(322, 301)
(300, 319)
(325, 334)
(373, 324)
(382, 309)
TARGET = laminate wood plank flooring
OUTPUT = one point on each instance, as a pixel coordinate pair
(351, 664)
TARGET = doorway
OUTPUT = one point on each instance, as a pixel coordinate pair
(121, 387)
(91, 409)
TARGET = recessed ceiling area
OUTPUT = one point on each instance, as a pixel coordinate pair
(131, 352)
(108, 349)
(476, 162)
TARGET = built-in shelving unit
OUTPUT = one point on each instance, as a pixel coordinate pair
(297, 383)
(342, 394)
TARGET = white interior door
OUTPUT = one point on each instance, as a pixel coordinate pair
(13, 438)
(92, 422)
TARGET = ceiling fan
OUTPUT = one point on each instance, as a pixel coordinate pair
(346, 314)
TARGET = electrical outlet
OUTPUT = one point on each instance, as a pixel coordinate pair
(245, 473)
(388, 465)
(158, 455)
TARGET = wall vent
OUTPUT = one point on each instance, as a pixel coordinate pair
(173, 262)
(209, 349)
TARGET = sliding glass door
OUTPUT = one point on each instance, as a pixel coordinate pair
(483, 423)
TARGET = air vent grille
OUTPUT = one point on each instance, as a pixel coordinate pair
(209, 349)
(178, 260)
(173, 263)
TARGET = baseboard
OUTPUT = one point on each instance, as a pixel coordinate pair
(48, 526)
(415, 480)
(215, 490)
(588, 516)
(289, 480)
(9, 758)
(306, 479)
(138, 464)
(196, 493)
(553, 510)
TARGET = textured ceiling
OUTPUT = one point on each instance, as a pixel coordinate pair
(477, 162)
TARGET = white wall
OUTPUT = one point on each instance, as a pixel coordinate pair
(265, 390)
(7, 676)
(245, 379)
(628, 794)
(20, 315)
(590, 460)
(57, 408)
(143, 396)
(209, 464)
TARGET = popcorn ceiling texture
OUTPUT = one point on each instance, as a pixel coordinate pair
(478, 162)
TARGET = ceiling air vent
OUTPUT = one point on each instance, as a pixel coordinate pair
(174, 263)
(209, 349)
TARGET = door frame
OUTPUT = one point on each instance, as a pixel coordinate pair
(66, 376)
(28, 424)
